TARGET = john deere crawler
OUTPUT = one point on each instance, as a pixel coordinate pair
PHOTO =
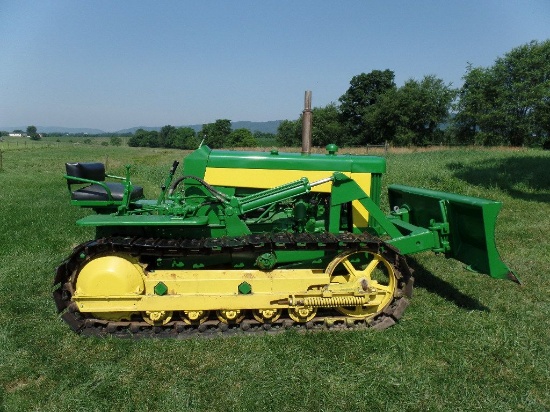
(251, 241)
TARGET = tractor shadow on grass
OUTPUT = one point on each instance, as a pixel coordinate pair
(522, 177)
(425, 279)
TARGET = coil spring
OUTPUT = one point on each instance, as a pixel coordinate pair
(336, 301)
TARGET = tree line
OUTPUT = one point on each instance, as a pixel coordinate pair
(505, 104)
(216, 135)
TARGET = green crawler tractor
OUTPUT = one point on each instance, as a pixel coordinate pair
(259, 241)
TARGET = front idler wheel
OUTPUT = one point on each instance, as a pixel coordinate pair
(366, 273)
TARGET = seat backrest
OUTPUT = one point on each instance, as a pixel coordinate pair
(90, 171)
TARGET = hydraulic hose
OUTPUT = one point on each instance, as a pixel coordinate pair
(222, 197)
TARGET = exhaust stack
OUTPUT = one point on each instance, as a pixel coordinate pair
(306, 124)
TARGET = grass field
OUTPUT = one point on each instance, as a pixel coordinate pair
(466, 343)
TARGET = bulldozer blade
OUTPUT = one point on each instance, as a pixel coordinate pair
(471, 225)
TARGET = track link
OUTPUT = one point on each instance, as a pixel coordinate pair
(326, 319)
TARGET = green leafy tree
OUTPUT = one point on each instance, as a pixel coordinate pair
(416, 111)
(144, 138)
(264, 138)
(242, 138)
(359, 109)
(327, 127)
(31, 132)
(263, 135)
(471, 106)
(289, 133)
(138, 139)
(509, 102)
(216, 134)
(166, 136)
(185, 138)
(152, 139)
(133, 141)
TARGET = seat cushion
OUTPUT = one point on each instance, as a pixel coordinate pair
(98, 193)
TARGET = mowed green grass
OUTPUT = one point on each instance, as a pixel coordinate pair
(467, 342)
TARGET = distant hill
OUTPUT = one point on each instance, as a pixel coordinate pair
(133, 129)
(264, 127)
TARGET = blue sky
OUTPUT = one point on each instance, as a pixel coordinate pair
(117, 64)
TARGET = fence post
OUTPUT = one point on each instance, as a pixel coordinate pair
(1, 160)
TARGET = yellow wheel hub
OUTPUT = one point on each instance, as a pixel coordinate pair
(112, 275)
(157, 318)
(230, 316)
(366, 272)
(109, 276)
(194, 317)
(267, 315)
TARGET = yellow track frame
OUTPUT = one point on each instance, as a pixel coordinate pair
(115, 286)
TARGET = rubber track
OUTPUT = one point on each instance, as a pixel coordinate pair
(256, 243)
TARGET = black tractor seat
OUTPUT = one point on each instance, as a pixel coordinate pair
(93, 190)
